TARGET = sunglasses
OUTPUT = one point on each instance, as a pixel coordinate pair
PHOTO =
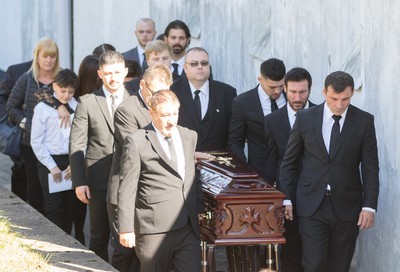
(150, 90)
(195, 64)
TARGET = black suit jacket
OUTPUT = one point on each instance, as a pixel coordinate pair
(11, 77)
(277, 130)
(213, 130)
(247, 123)
(352, 187)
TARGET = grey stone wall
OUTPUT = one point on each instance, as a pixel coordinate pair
(360, 37)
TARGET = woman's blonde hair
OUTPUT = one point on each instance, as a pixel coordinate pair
(48, 47)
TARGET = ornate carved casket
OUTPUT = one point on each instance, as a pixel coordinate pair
(241, 207)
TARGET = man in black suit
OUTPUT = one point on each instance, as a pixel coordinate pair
(92, 145)
(145, 32)
(277, 128)
(336, 192)
(205, 104)
(159, 197)
(18, 176)
(177, 35)
(248, 111)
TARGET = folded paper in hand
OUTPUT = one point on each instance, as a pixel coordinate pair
(63, 185)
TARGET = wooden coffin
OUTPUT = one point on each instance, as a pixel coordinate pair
(241, 207)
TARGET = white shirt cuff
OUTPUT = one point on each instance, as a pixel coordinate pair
(287, 202)
(369, 209)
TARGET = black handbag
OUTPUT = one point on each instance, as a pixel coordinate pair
(10, 134)
(10, 137)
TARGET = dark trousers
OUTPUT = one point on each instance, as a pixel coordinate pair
(58, 207)
(178, 249)
(99, 226)
(34, 190)
(79, 221)
(328, 243)
(123, 259)
(291, 250)
(18, 178)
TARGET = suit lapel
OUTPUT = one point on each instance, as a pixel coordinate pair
(346, 130)
(258, 111)
(142, 107)
(187, 101)
(101, 100)
(186, 149)
(318, 118)
(154, 141)
(286, 123)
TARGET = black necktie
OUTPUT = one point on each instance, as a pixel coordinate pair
(274, 106)
(175, 71)
(144, 63)
(172, 152)
(69, 109)
(197, 103)
(334, 133)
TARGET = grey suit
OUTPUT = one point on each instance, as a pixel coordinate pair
(131, 115)
(91, 150)
(133, 54)
(153, 199)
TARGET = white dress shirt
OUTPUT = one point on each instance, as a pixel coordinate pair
(204, 96)
(47, 137)
(292, 113)
(327, 124)
(180, 63)
(117, 101)
(266, 100)
(177, 141)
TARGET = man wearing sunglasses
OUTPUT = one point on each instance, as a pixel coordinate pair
(205, 104)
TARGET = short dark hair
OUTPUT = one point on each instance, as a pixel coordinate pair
(298, 74)
(177, 24)
(102, 48)
(339, 81)
(66, 78)
(134, 69)
(111, 57)
(274, 69)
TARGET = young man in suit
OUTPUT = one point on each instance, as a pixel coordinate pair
(177, 35)
(131, 115)
(335, 188)
(248, 111)
(297, 86)
(145, 32)
(159, 197)
(92, 146)
(205, 104)
(156, 52)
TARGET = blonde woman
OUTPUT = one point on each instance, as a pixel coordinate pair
(45, 66)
